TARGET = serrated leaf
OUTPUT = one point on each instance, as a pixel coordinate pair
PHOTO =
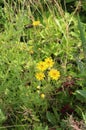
(51, 118)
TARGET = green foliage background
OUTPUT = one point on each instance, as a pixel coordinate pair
(61, 36)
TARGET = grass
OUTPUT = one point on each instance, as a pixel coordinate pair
(42, 82)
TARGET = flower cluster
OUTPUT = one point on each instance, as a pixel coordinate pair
(47, 64)
(43, 65)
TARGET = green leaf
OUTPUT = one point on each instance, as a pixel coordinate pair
(82, 93)
(84, 117)
(51, 118)
(82, 35)
(69, 1)
(84, 5)
(2, 116)
(56, 114)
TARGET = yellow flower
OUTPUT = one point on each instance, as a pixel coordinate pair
(42, 95)
(54, 74)
(49, 62)
(41, 66)
(36, 23)
(40, 76)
